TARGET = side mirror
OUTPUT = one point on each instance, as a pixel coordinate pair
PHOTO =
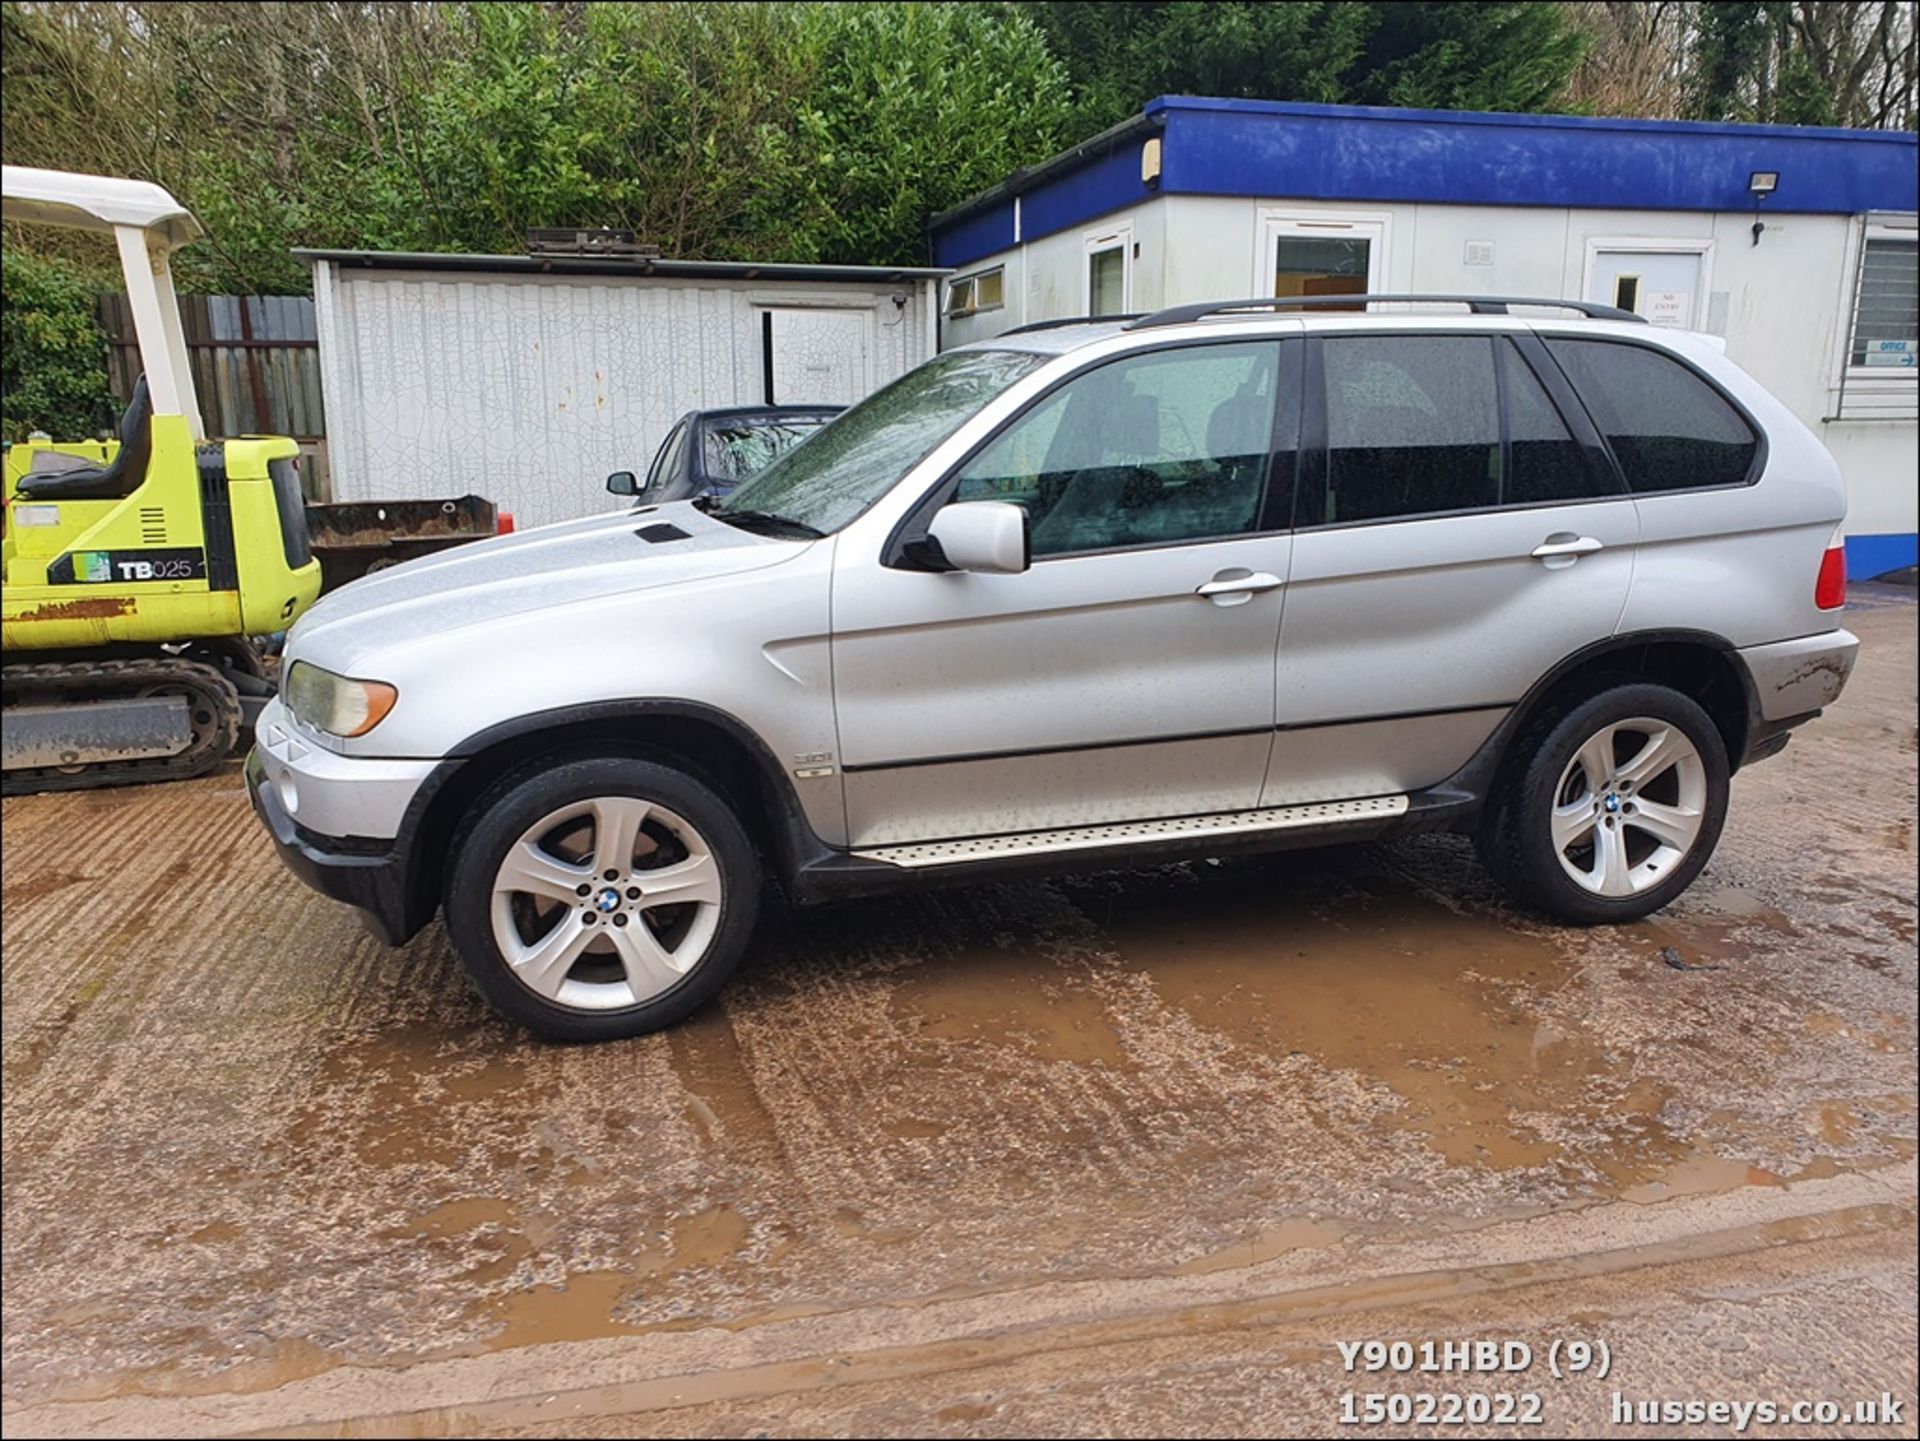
(988, 536)
(623, 482)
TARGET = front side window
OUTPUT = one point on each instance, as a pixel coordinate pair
(1668, 428)
(1152, 449)
(850, 464)
(1886, 310)
(669, 455)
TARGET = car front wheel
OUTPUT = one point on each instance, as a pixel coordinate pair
(1612, 808)
(601, 898)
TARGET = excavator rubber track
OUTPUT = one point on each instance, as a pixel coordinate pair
(213, 709)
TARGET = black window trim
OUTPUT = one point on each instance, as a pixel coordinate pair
(1756, 469)
(1603, 470)
(660, 455)
(912, 526)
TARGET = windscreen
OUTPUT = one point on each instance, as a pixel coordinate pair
(859, 457)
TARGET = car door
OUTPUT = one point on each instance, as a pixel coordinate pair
(1460, 532)
(1128, 673)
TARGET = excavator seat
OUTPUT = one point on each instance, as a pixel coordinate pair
(116, 480)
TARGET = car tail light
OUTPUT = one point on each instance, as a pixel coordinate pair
(1830, 591)
(503, 522)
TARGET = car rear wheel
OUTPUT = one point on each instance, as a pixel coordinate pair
(1611, 808)
(601, 898)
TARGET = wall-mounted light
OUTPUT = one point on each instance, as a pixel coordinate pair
(1760, 185)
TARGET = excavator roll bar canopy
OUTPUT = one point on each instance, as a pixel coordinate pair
(147, 224)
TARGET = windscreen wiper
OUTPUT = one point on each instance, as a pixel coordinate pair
(764, 522)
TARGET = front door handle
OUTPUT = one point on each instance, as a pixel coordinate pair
(1565, 543)
(1237, 587)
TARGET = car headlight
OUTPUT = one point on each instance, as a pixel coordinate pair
(336, 704)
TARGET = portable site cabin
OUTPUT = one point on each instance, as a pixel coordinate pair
(1200, 199)
(527, 378)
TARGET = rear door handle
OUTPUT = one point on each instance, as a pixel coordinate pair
(1565, 543)
(1237, 588)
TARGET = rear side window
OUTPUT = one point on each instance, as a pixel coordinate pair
(1669, 429)
(1413, 426)
(1544, 462)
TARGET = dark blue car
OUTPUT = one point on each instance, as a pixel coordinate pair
(709, 452)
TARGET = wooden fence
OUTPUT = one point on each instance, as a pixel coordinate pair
(256, 366)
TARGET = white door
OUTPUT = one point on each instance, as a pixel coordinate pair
(1445, 564)
(1318, 255)
(1128, 674)
(1667, 286)
(816, 356)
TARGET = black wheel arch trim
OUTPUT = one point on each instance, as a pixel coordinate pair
(795, 841)
(1476, 777)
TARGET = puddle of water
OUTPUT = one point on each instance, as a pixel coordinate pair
(1723, 940)
(378, 1089)
(583, 1309)
(708, 1238)
(1424, 999)
(279, 1364)
(722, 1103)
(987, 996)
(587, 1304)
(455, 1218)
(1838, 1124)
(1293, 1234)
(1701, 1174)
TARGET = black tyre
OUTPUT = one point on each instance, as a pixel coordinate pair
(601, 898)
(1608, 809)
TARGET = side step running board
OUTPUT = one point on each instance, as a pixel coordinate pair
(1130, 833)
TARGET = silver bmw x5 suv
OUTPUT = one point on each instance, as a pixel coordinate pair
(1222, 578)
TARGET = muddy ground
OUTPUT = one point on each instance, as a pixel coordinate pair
(1123, 1153)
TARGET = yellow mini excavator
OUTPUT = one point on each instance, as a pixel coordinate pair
(135, 571)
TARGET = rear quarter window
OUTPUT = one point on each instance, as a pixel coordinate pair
(1669, 428)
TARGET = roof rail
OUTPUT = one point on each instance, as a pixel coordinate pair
(1032, 326)
(1478, 304)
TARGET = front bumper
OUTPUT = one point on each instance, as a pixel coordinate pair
(331, 794)
(374, 880)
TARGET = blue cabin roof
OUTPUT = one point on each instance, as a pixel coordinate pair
(1295, 151)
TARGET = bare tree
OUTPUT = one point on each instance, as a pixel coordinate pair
(1636, 62)
(1827, 62)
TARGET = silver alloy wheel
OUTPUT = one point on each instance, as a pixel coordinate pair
(606, 903)
(1629, 807)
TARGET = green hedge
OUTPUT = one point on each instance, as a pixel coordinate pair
(53, 353)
